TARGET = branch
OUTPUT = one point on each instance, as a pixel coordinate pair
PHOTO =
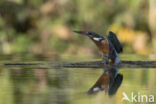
(89, 64)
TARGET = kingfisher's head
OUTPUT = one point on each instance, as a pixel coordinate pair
(92, 35)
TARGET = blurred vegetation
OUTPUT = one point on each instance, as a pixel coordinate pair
(45, 26)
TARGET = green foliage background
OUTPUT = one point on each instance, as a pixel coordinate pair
(45, 26)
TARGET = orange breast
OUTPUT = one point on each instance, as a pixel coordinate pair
(103, 81)
(103, 46)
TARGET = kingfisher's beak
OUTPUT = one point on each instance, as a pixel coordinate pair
(81, 32)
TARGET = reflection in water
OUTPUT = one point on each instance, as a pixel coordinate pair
(36, 82)
(109, 82)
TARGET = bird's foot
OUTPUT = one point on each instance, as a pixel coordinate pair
(105, 59)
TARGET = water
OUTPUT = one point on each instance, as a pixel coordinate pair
(36, 81)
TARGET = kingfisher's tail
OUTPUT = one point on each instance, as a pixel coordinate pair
(117, 59)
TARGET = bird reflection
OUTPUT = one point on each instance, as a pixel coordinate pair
(109, 82)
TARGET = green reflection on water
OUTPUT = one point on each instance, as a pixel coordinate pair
(68, 86)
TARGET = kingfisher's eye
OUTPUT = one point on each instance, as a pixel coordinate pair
(89, 33)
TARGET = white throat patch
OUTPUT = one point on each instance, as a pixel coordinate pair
(96, 39)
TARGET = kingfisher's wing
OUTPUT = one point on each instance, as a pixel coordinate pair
(114, 40)
(116, 84)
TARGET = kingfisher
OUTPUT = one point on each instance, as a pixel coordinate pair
(108, 45)
(109, 82)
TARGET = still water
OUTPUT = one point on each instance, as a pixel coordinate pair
(27, 84)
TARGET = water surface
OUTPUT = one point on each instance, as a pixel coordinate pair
(22, 84)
